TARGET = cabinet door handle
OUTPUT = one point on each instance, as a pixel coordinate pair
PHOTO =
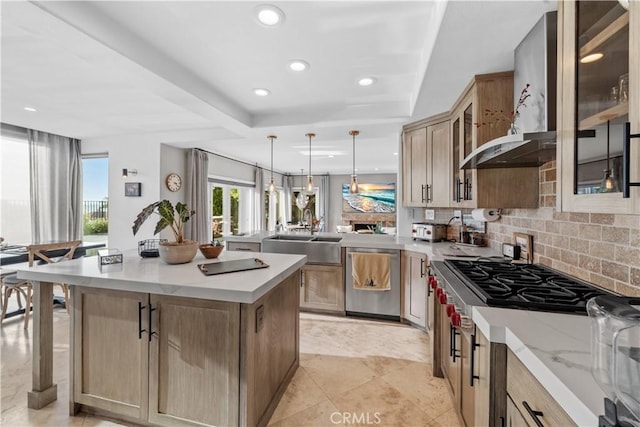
(501, 421)
(242, 249)
(473, 346)
(140, 330)
(151, 332)
(458, 192)
(302, 279)
(429, 193)
(533, 413)
(421, 267)
(454, 350)
(467, 189)
(422, 193)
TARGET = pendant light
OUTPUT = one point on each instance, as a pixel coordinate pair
(609, 183)
(309, 188)
(302, 199)
(353, 188)
(272, 183)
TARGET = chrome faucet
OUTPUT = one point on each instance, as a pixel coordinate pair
(307, 217)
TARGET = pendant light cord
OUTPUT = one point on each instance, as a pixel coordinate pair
(354, 154)
(608, 170)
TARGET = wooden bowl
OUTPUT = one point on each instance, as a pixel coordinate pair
(210, 251)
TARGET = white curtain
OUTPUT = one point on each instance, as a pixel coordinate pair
(55, 166)
(259, 199)
(322, 201)
(198, 228)
(287, 188)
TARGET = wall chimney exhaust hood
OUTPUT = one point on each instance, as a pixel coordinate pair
(535, 144)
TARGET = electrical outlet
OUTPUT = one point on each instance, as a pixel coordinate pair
(430, 214)
(458, 215)
(259, 318)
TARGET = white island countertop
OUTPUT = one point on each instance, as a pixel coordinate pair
(152, 275)
(556, 348)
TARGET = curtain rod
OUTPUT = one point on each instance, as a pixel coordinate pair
(239, 161)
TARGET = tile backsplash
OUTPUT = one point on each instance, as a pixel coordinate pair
(600, 248)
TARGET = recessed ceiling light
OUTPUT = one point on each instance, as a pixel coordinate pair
(261, 92)
(591, 58)
(331, 156)
(366, 81)
(395, 154)
(377, 169)
(298, 65)
(33, 110)
(269, 15)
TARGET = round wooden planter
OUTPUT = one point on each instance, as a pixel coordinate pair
(178, 253)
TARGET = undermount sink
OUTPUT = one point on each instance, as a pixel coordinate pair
(291, 237)
(319, 250)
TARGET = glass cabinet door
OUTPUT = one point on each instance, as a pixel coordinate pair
(455, 161)
(602, 95)
(468, 148)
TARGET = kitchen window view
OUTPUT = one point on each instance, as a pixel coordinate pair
(461, 247)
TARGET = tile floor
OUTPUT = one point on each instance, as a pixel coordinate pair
(352, 372)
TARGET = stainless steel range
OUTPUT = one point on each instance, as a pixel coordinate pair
(497, 283)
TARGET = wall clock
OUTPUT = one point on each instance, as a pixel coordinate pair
(174, 182)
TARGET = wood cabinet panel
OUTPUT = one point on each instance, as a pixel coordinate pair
(322, 288)
(194, 362)
(523, 388)
(450, 357)
(109, 357)
(514, 417)
(414, 279)
(467, 391)
(438, 155)
(414, 160)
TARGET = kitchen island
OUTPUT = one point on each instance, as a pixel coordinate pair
(166, 345)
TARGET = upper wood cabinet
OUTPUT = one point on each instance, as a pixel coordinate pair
(483, 188)
(425, 163)
(597, 96)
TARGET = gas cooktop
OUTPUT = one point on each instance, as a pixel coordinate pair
(526, 286)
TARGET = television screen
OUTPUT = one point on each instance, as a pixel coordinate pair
(372, 198)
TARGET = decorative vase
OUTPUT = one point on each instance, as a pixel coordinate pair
(178, 253)
(513, 130)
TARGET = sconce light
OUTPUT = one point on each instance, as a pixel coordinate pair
(309, 188)
(272, 184)
(626, 161)
(127, 172)
(353, 188)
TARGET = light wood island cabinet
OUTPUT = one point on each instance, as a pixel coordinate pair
(170, 360)
(322, 288)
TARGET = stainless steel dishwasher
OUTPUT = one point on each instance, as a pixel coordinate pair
(383, 304)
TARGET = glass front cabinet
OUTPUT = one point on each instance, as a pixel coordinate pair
(598, 95)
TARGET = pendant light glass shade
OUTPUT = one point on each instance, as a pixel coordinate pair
(353, 188)
(609, 183)
(302, 199)
(309, 187)
(272, 183)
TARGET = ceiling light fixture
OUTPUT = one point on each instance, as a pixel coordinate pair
(302, 199)
(261, 92)
(272, 184)
(366, 81)
(298, 65)
(269, 15)
(609, 183)
(353, 188)
(593, 57)
(309, 188)
(31, 109)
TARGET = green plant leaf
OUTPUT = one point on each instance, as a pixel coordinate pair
(161, 225)
(142, 217)
(165, 210)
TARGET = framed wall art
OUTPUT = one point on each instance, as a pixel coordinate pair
(132, 189)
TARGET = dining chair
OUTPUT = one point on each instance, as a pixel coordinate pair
(42, 252)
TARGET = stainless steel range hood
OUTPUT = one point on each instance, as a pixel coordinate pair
(535, 64)
(513, 151)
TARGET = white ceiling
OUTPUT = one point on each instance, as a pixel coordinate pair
(185, 71)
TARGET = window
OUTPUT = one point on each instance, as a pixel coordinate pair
(15, 193)
(95, 198)
(301, 204)
(231, 209)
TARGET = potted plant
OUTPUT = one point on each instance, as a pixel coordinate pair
(179, 251)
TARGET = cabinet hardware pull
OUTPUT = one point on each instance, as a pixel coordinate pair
(151, 332)
(301, 279)
(429, 193)
(457, 191)
(422, 191)
(467, 189)
(242, 249)
(454, 350)
(140, 330)
(421, 267)
(501, 421)
(626, 156)
(473, 346)
(534, 414)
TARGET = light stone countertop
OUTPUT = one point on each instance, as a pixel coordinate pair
(556, 348)
(435, 251)
(152, 275)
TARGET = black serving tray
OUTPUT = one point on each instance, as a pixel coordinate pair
(222, 267)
